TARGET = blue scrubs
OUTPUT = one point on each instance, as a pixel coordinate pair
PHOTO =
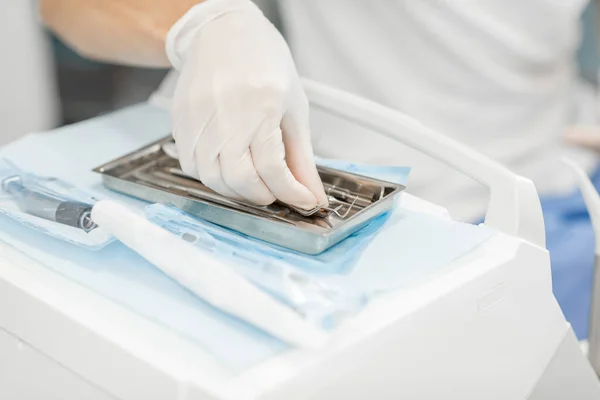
(570, 240)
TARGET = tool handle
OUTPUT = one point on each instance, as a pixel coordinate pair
(205, 275)
(514, 206)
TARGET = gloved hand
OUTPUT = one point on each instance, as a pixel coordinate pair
(240, 115)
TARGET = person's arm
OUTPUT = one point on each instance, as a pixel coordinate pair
(130, 32)
(584, 136)
(240, 115)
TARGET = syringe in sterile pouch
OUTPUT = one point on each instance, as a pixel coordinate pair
(205, 275)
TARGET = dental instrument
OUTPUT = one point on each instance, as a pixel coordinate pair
(335, 194)
(34, 202)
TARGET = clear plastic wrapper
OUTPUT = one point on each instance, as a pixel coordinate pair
(277, 271)
(49, 205)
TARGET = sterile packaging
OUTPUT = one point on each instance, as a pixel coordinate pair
(297, 280)
(49, 205)
(310, 284)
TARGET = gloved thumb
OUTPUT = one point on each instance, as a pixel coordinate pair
(299, 155)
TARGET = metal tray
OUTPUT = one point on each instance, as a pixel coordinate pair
(153, 175)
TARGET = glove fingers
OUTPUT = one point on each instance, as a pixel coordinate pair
(268, 154)
(187, 157)
(239, 173)
(197, 141)
(185, 143)
(208, 170)
(190, 116)
(299, 155)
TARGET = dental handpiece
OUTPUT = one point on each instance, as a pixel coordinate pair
(71, 213)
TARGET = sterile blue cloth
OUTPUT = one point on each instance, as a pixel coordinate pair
(409, 246)
(229, 243)
(390, 174)
(343, 255)
(570, 240)
(301, 281)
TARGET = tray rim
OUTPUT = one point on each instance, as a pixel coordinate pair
(324, 234)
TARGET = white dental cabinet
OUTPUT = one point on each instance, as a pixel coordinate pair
(485, 326)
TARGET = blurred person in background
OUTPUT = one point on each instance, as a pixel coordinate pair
(499, 76)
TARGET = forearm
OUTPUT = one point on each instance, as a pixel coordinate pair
(130, 32)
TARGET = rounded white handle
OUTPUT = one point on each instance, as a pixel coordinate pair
(514, 206)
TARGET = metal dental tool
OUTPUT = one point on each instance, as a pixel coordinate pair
(318, 211)
(338, 196)
(161, 181)
(34, 202)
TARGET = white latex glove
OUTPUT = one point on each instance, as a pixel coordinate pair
(240, 115)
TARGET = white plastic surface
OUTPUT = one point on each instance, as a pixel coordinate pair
(27, 363)
(568, 376)
(476, 331)
(485, 327)
(514, 206)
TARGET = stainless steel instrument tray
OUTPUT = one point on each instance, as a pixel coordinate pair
(151, 174)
